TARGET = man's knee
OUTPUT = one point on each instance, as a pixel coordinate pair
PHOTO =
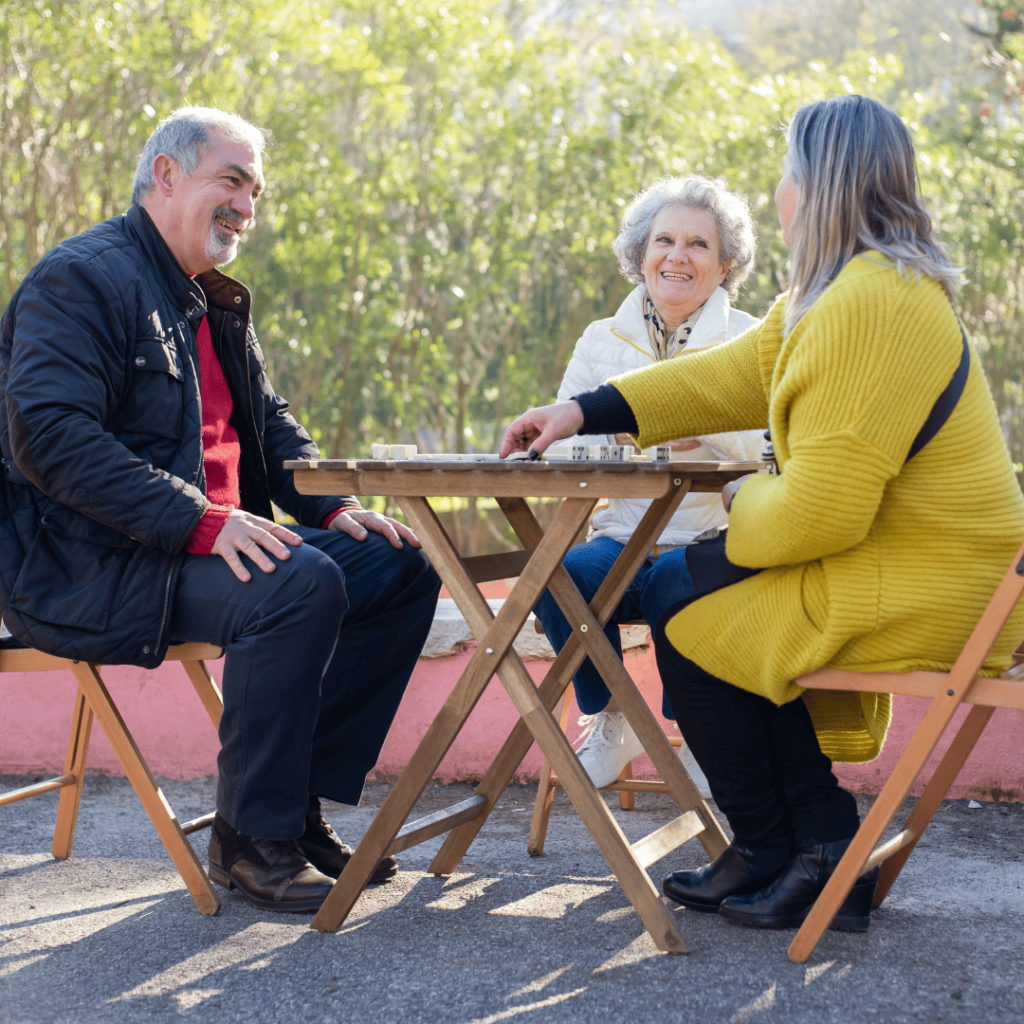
(315, 579)
(407, 569)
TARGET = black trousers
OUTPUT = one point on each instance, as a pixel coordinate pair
(318, 655)
(763, 761)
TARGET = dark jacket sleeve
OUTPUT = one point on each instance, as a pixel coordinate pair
(68, 387)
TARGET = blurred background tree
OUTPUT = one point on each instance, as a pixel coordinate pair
(445, 180)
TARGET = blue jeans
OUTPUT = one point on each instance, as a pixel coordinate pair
(658, 586)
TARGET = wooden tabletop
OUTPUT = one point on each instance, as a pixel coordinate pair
(518, 478)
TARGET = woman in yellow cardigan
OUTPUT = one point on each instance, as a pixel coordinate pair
(871, 562)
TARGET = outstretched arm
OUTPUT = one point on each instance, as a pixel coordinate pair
(537, 429)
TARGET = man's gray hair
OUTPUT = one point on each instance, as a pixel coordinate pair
(729, 210)
(184, 135)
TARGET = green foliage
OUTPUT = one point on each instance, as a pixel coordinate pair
(445, 180)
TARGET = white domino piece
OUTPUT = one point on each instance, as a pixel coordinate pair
(380, 451)
(596, 452)
(557, 453)
(403, 452)
(578, 452)
(613, 452)
(658, 453)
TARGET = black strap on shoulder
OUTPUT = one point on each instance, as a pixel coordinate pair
(945, 403)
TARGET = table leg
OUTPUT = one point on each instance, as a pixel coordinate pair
(537, 717)
(515, 748)
(597, 817)
(496, 634)
(635, 708)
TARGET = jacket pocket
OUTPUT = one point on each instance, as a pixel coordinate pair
(68, 581)
(154, 404)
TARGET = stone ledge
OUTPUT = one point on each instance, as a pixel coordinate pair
(450, 634)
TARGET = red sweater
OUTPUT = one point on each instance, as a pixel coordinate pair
(222, 454)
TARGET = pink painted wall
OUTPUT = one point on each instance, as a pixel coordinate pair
(178, 741)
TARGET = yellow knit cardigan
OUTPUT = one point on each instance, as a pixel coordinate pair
(872, 565)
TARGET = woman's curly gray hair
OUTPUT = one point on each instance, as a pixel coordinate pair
(730, 211)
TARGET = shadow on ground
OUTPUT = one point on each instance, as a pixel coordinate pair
(113, 936)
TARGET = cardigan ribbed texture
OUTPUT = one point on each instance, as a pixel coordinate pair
(872, 565)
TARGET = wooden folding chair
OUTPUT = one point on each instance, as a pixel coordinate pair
(947, 691)
(93, 698)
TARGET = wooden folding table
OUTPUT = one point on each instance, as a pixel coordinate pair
(539, 565)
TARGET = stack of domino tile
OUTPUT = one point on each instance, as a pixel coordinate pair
(398, 452)
(587, 453)
(657, 453)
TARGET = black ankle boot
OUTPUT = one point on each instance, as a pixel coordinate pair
(327, 853)
(788, 900)
(272, 875)
(737, 871)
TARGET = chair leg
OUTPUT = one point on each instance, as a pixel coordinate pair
(882, 812)
(627, 797)
(546, 790)
(541, 812)
(206, 687)
(74, 764)
(934, 793)
(146, 788)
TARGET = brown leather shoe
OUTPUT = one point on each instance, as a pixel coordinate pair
(272, 875)
(327, 853)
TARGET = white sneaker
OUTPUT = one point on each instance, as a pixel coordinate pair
(699, 779)
(609, 744)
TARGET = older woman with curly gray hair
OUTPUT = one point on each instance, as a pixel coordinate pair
(688, 244)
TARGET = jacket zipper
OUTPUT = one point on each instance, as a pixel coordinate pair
(167, 602)
(633, 344)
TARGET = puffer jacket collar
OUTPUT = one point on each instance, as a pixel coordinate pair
(181, 290)
(712, 325)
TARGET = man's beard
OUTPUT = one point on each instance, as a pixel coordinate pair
(222, 245)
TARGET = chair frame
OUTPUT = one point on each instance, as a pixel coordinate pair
(94, 699)
(947, 690)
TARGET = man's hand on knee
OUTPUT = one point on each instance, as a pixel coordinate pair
(255, 537)
(356, 521)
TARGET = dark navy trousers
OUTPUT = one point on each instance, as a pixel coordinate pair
(763, 762)
(318, 655)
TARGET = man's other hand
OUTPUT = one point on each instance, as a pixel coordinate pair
(255, 537)
(356, 521)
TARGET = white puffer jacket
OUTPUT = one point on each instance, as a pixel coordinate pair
(620, 343)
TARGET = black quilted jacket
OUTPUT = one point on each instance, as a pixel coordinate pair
(101, 439)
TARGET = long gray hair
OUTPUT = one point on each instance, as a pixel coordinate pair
(853, 162)
(184, 135)
(729, 210)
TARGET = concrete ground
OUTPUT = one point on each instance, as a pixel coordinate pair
(112, 936)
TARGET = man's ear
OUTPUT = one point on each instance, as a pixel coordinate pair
(166, 171)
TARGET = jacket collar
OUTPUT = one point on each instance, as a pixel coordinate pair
(190, 294)
(225, 292)
(711, 327)
(180, 288)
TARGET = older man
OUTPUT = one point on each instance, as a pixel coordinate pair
(142, 447)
